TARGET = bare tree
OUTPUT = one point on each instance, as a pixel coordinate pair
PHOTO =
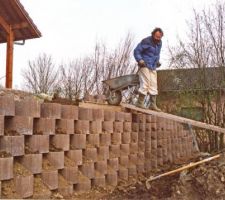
(205, 48)
(41, 74)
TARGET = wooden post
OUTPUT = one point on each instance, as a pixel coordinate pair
(9, 59)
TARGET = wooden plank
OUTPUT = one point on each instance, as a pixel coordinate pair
(176, 118)
(4, 24)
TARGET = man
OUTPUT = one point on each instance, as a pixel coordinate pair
(147, 54)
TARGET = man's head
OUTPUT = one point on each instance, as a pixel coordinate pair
(157, 34)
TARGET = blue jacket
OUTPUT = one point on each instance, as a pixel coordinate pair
(149, 52)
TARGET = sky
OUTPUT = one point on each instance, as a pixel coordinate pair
(70, 28)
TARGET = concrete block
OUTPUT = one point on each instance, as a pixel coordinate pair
(60, 142)
(113, 163)
(127, 126)
(133, 158)
(98, 181)
(78, 141)
(101, 166)
(111, 178)
(119, 116)
(109, 115)
(134, 137)
(65, 190)
(135, 126)
(149, 118)
(141, 157)
(124, 161)
(93, 140)
(98, 114)
(50, 179)
(140, 168)
(84, 184)
(70, 174)
(6, 168)
(116, 138)
(7, 105)
(142, 127)
(148, 136)
(28, 107)
(69, 112)
(127, 117)
(82, 127)
(133, 148)
(141, 146)
(24, 185)
(105, 139)
(76, 156)
(148, 165)
(37, 144)
(132, 170)
(154, 144)
(13, 145)
(141, 136)
(103, 152)
(85, 114)
(126, 137)
(56, 159)
(44, 126)
(33, 162)
(107, 126)
(141, 118)
(20, 125)
(125, 149)
(153, 164)
(96, 127)
(114, 151)
(90, 154)
(153, 135)
(51, 110)
(88, 169)
(123, 173)
(2, 125)
(118, 127)
(65, 126)
(148, 155)
(40, 189)
(148, 126)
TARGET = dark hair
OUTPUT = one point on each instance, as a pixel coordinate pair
(157, 30)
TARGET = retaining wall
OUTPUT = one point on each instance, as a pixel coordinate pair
(51, 147)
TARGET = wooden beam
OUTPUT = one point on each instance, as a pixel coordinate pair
(9, 59)
(5, 25)
(177, 118)
(20, 26)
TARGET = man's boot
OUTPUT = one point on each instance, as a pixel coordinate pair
(140, 102)
(153, 105)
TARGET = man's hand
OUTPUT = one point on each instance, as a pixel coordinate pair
(141, 63)
(158, 64)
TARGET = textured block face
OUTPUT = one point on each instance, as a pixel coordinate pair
(78, 141)
(114, 150)
(51, 110)
(123, 174)
(103, 152)
(50, 179)
(125, 149)
(126, 137)
(6, 168)
(105, 139)
(132, 170)
(7, 106)
(127, 117)
(118, 127)
(75, 156)
(107, 126)
(82, 127)
(98, 114)
(90, 154)
(134, 137)
(60, 142)
(85, 114)
(37, 144)
(119, 116)
(96, 127)
(28, 107)
(84, 184)
(21, 125)
(133, 148)
(44, 126)
(33, 162)
(114, 163)
(124, 161)
(2, 126)
(24, 185)
(13, 145)
(56, 159)
(88, 170)
(65, 126)
(133, 158)
(69, 112)
(135, 127)
(70, 174)
(101, 167)
(93, 140)
(111, 178)
(98, 181)
(116, 138)
(109, 115)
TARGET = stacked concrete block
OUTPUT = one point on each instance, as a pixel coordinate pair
(44, 126)
(7, 105)
(2, 124)
(6, 168)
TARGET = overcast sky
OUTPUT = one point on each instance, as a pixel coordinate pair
(70, 28)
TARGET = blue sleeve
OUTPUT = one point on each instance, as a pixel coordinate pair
(138, 52)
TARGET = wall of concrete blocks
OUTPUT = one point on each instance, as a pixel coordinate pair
(70, 149)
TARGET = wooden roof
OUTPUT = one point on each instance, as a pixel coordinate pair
(13, 13)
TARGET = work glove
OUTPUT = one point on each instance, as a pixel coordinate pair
(141, 63)
(158, 64)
